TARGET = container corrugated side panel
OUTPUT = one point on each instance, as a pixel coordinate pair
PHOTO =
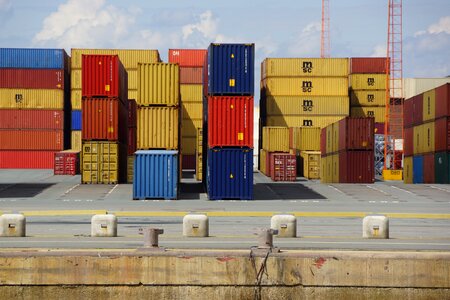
(155, 175)
(443, 101)
(335, 168)
(231, 69)
(429, 105)
(418, 139)
(408, 169)
(129, 57)
(417, 107)
(428, 137)
(356, 167)
(323, 141)
(188, 145)
(158, 84)
(297, 67)
(408, 143)
(191, 93)
(418, 169)
(329, 139)
(31, 119)
(356, 134)
(75, 99)
(442, 167)
(32, 99)
(309, 139)
(416, 86)
(27, 159)
(378, 113)
(299, 121)
(76, 120)
(192, 110)
(158, 127)
(408, 113)
(367, 81)
(29, 58)
(187, 57)
(304, 105)
(31, 139)
(188, 162)
(276, 139)
(442, 134)
(76, 81)
(230, 121)
(429, 170)
(130, 169)
(32, 78)
(76, 140)
(368, 98)
(191, 75)
(306, 86)
(132, 140)
(368, 65)
(262, 161)
(335, 139)
(189, 127)
(230, 173)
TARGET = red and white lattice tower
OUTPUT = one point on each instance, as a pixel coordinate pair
(325, 44)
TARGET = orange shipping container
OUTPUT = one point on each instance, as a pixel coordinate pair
(191, 75)
(31, 140)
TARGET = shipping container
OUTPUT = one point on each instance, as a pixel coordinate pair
(230, 173)
(191, 75)
(379, 128)
(429, 105)
(75, 140)
(158, 84)
(32, 99)
(442, 95)
(230, 121)
(283, 167)
(356, 134)
(304, 138)
(188, 162)
(408, 113)
(416, 86)
(368, 98)
(275, 139)
(304, 105)
(408, 142)
(32, 78)
(67, 162)
(29, 58)
(417, 106)
(442, 134)
(31, 119)
(188, 145)
(155, 174)
(29, 139)
(76, 120)
(132, 140)
(75, 99)
(428, 170)
(369, 65)
(418, 139)
(418, 169)
(297, 67)
(442, 167)
(187, 57)
(424, 138)
(199, 155)
(129, 57)
(356, 167)
(368, 81)
(311, 164)
(330, 144)
(230, 69)
(377, 113)
(132, 113)
(158, 128)
(323, 141)
(408, 170)
(23, 159)
(104, 119)
(300, 121)
(263, 161)
(335, 167)
(305, 86)
(189, 127)
(192, 110)
(191, 93)
(76, 79)
(130, 169)
(323, 170)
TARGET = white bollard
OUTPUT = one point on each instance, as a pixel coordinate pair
(195, 225)
(285, 224)
(12, 225)
(104, 226)
(376, 227)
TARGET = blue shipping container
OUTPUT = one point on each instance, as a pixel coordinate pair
(230, 173)
(76, 119)
(155, 174)
(418, 169)
(28, 58)
(231, 69)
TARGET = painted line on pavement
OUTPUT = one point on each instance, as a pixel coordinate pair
(337, 190)
(438, 188)
(50, 213)
(403, 190)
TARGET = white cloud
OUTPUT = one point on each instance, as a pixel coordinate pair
(307, 42)
(442, 26)
(379, 51)
(5, 5)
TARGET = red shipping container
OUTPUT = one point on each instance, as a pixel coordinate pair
(230, 121)
(31, 139)
(356, 167)
(442, 134)
(361, 65)
(27, 159)
(417, 109)
(428, 170)
(188, 162)
(187, 57)
(191, 75)
(408, 144)
(443, 101)
(31, 119)
(323, 141)
(104, 119)
(132, 140)
(32, 79)
(132, 113)
(356, 134)
(103, 76)
(67, 163)
(283, 167)
(408, 112)
(379, 128)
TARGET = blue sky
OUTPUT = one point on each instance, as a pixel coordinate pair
(283, 28)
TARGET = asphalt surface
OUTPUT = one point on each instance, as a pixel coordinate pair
(329, 216)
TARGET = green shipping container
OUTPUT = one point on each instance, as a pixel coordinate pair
(442, 167)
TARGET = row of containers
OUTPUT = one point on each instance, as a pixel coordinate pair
(228, 121)
(427, 137)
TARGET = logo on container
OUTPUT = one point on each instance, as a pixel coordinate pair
(19, 98)
(307, 86)
(307, 123)
(371, 113)
(370, 97)
(307, 67)
(370, 81)
(307, 105)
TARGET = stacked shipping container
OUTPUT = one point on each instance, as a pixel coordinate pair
(132, 138)
(228, 121)
(304, 142)
(34, 107)
(427, 137)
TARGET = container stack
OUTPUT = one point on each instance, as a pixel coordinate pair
(156, 163)
(34, 107)
(132, 138)
(104, 120)
(304, 142)
(427, 137)
(228, 121)
(191, 63)
(347, 149)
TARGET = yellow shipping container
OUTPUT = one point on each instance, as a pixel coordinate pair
(191, 92)
(417, 139)
(192, 110)
(75, 97)
(368, 81)
(157, 127)
(306, 86)
(275, 139)
(306, 138)
(368, 98)
(189, 127)
(429, 105)
(188, 145)
(408, 169)
(75, 78)
(130, 169)
(76, 140)
(304, 105)
(335, 168)
(129, 57)
(132, 94)
(424, 138)
(323, 169)
(32, 99)
(262, 161)
(300, 121)
(295, 67)
(379, 113)
(100, 162)
(199, 155)
(200, 140)
(158, 83)
(311, 164)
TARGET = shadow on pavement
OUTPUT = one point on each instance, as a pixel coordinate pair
(191, 190)
(284, 191)
(22, 190)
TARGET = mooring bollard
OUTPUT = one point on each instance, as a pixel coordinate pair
(265, 238)
(195, 225)
(12, 225)
(375, 227)
(151, 236)
(285, 224)
(104, 226)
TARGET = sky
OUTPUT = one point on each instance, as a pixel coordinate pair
(283, 28)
